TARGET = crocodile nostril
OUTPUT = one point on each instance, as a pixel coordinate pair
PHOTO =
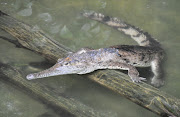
(30, 76)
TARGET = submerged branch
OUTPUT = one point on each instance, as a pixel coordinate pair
(15, 42)
(68, 106)
(142, 94)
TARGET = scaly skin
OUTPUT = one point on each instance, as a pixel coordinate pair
(125, 57)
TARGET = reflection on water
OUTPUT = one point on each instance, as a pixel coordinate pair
(62, 21)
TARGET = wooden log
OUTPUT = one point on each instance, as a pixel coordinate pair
(142, 94)
(65, 105)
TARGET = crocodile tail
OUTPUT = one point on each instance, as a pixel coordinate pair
(142, 38)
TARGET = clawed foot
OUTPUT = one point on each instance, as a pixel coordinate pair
(138, 79)
(157, 82)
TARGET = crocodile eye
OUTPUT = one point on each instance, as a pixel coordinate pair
(66, 63)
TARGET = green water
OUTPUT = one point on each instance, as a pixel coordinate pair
(61, 20)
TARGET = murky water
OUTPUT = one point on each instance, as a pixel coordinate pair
(61, 20)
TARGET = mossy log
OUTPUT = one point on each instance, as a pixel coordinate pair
(140, 93)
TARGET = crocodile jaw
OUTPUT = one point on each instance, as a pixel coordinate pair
(57, 69)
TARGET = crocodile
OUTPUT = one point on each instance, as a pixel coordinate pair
(148, 53)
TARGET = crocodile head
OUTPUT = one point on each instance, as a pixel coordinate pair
(73, 64)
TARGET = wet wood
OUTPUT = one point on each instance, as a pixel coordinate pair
(65, 105)
(142, 94)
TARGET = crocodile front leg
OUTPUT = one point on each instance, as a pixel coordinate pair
(132, 71)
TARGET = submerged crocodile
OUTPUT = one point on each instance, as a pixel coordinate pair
(124, 57)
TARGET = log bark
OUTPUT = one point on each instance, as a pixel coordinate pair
(140, 93)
